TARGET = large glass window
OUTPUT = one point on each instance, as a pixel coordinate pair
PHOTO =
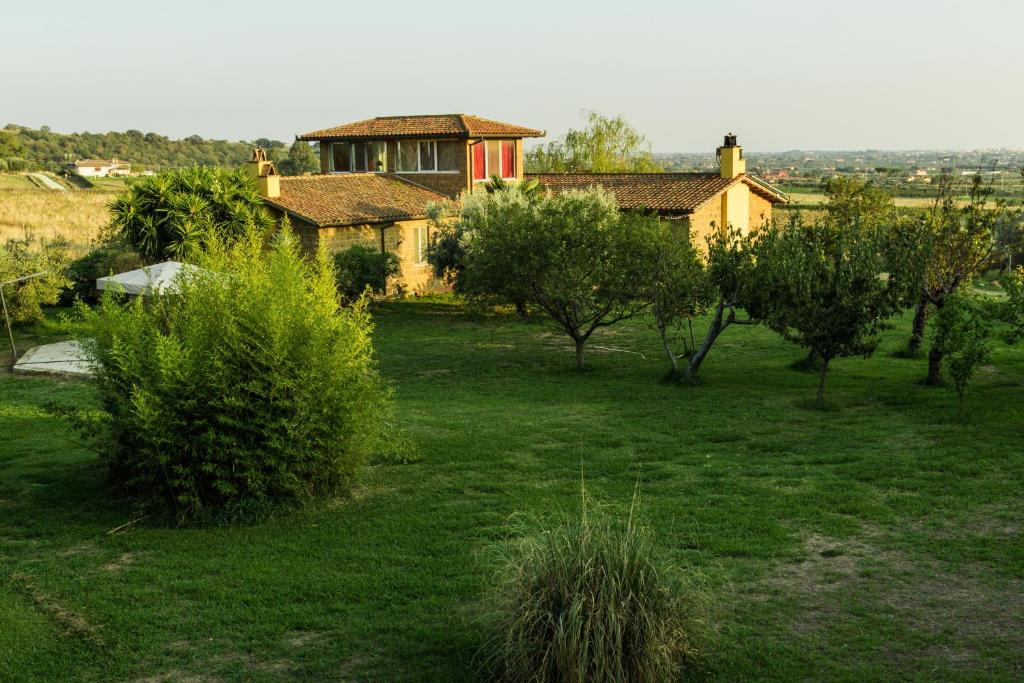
(479, 161)
(341, 155)
(494, 157)
(428, 156)
(408, 156)
(359, 157)
(422, 242)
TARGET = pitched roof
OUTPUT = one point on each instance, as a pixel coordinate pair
(94, 162)
(678, 192)
(352, 199)
(447, 125)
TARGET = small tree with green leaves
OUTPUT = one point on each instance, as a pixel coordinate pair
(574, 256)
(172, 214)
(729, 271)
(962, 328)
(360, 267)
(20, 258)
(679, 291)
(300, 159)
(957, 242)
(828, 294)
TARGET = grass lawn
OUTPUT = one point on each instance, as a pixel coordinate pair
(877, 540)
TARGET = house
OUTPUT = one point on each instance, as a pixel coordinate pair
(100, 168)
(695, 202)
(378, 177)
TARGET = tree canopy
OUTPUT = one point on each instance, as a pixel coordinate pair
(44, 149)
(605, 145)
(172, 214)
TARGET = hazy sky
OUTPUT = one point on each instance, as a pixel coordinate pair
(807, 74)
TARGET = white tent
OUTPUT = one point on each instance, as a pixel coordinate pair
(156, 279)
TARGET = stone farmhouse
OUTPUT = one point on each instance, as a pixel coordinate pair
(378, 176)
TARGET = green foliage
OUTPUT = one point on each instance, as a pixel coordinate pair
(27, 256)
(445, 254)
(105, 259)
(17, 164)
(300, 159)
(173, 214)
(360, 267)
(679, 291)
(248, 388)
(586, 598)
(43, 148)
(530, 187)
(605, 145)
(1013, 307)
(822, 287)
(961, 331)
(574, 255)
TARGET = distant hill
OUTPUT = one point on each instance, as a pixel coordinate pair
(24, 149)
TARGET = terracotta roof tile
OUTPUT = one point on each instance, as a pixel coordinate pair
(453, 125)
(352, 199)
(679, 192)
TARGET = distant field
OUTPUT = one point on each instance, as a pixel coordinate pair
(813, 198)
(77, 216)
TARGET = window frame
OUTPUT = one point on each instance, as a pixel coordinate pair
(487, 165)
(421, 248)
(434, 171)
(367, 146)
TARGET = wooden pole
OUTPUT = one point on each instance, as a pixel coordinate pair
(10, 332)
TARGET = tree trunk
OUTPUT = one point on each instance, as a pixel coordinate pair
(920, 319)
(714, 330)
(522, 310)
(934, 367)
(821, 380)
(671, 357)
(579, 351)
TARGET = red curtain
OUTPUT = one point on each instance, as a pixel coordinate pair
(479, 164)
(508, 159)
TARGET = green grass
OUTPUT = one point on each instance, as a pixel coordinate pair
(877, 540)
(16, 181)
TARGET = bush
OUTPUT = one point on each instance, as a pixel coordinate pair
(16, 164)
(26, 256)
(4, 165)
(589, 600)
(360, 267)
(104, 260)
(249, 388)
(172, 214)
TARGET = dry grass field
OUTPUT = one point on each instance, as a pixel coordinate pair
(77, 216)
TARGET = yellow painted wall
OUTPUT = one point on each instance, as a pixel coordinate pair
(736, 207)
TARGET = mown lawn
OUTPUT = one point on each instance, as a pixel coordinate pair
(877, 540)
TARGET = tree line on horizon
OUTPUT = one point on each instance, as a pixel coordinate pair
(41, 149)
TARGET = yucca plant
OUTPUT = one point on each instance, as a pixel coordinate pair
(172, 214)
(585, 597)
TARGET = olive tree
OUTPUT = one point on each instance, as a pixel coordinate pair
(573, 255)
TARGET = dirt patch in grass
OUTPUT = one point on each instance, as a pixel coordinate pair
(120, 563)
(72, 623)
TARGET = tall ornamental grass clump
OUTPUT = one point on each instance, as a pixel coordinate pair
(248, 387)
(586, 598)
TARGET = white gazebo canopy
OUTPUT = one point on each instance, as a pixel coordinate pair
(160, 278)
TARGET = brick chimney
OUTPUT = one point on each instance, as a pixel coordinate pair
(730, 158)
(263, 172)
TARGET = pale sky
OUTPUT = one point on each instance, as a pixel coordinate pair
(792, 74)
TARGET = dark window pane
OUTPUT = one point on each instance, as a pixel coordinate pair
(407, 151)
(426, 156)
(340, 153)
(359, 157)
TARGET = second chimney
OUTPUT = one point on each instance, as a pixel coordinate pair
(730, 158)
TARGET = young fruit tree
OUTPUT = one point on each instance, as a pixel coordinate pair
(679, 291)
(727, 274)
(957, 241)
(961, 331)
(828, 291)
(573, 255)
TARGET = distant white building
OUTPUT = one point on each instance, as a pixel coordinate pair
(100, 168)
